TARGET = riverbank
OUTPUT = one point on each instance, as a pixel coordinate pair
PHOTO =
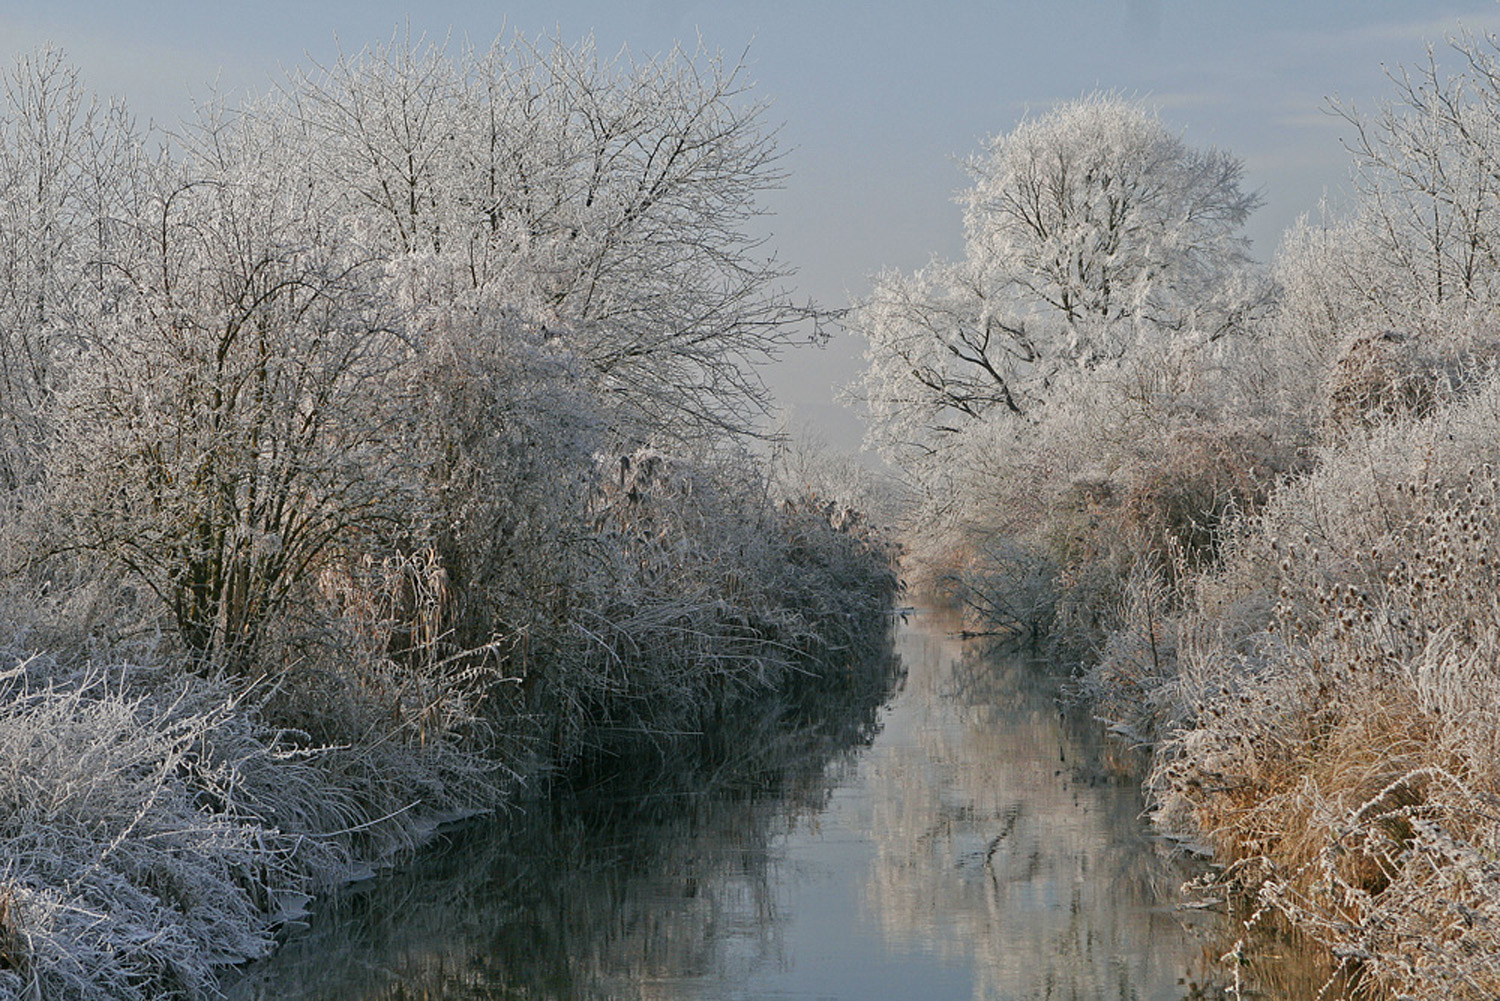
(926, 824)
(160, 822)
(1327, 721)
(1254, 506)
(1314, 676)
(327, 513)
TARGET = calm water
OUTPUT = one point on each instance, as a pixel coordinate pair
(930, 827)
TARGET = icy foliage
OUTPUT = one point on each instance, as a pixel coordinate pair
(607, 198)
(154, 827)
(1331, 719)
(1092, 234)
(1322, 696)
(364, 449)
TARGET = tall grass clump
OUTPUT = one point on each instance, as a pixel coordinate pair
(156, 827)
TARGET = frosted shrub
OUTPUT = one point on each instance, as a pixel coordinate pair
(703, 592)
(135, 862)
(235, 418)
(1337, 725)
(1117, 483)
(154, 827)
(804, 465)
(1130, 683)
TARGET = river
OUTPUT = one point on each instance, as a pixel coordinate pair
(930, 827)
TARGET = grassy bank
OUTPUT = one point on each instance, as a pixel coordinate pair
(604, 876)
(1256, 512)
(1299, 618)
(161, 820)
(1329, 726)
(368, 449)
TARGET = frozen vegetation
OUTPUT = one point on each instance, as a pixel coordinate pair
(367, 449)
(374, 446)
(1258, 509)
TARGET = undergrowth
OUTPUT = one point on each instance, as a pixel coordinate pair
(155, 826)
(1323, 704)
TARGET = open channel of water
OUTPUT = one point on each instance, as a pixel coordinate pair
(933, 828)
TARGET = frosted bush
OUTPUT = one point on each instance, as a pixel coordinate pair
(1335, 727)
(154, 827)
(134, 860)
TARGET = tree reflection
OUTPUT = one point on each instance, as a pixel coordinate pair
(984, 837)
(630, 873)
(1007, 837)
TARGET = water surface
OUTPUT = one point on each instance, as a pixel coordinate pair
(929, 827)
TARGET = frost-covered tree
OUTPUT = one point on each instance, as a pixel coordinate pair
(1090, 231)
(399, 306)
(238, 410)
(1097, 212)
(67, 163)
(1419, 251)
(611, 199)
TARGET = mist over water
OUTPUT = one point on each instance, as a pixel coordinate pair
(930, 826)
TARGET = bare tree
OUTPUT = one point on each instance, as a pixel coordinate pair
(610, 199)
(1422, 239)
(1091, 231)
(235, 414)
(66, 164)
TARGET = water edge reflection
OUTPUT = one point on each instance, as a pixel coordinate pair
(926, 826)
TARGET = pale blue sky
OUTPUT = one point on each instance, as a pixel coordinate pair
(875, 100)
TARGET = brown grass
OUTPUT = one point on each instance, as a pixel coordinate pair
(1342, 760)
(13, 952)
(1179, 499)
(1365, 823)
(1378, 379)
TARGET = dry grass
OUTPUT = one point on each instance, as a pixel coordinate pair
(1377, 379)
(1335, 707)
(1365, 824)
(154, 826)
(14, 956)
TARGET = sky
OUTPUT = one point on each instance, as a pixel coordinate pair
(876, 102)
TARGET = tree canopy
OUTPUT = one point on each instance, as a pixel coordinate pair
(1090, 231)
(404, 299)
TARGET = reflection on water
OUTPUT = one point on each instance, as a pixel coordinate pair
(1008, 841)
(929, 827)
